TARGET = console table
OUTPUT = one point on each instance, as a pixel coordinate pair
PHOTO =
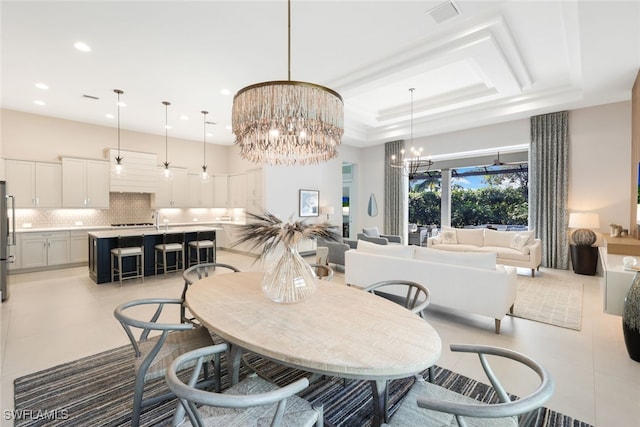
(617, 281)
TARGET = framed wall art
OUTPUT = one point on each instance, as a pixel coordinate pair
(309, 201)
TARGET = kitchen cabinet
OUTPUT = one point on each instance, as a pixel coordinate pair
(139, 175)
(200, 192)
(237, 191)
(253, 194)
(43, 249)
(34, 184)
(172, 193)
(220, 191)
(78, 246)
(85, 183)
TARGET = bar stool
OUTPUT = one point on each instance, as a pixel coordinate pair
(171, 243)
(205, 241)
(128, 246)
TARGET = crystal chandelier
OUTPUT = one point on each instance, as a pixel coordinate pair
(413, 164)
(287, 122)
(118, 168)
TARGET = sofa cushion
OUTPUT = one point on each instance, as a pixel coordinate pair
(519, 241)
(469, 236)
(467, 259)
(448, 237)
(371, 232)
(398, 251)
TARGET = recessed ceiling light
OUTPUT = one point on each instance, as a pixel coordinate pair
(39, 102)
(225, 92)
(184, 117)
(42, 86)
(81, 46)
(110, 116)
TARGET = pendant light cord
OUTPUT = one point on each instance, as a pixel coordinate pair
(289, 40)
(204, 140)
(118, 93)
(166, 132)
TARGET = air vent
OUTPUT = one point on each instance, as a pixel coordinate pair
(210, 123)
(445, 11)
(95, 98)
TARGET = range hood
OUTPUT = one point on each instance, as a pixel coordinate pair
(140, 172)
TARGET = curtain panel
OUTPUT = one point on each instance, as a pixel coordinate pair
(549, 185)
(393, 190)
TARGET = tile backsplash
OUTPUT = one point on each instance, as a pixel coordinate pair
(124, 208)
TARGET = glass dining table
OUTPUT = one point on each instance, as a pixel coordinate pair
(339, 331)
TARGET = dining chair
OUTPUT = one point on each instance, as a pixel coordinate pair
(428, 404)
(153, 355)
(171, 243)
(252, 401)
(205, 242)
(411, 295)
(195, 273)
(128, 247)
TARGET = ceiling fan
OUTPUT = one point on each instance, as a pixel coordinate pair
(498, 162)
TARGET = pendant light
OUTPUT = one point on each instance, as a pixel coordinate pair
(414, 165)
(204, 176)
(286, 122)
(166, 172)
(118, 168)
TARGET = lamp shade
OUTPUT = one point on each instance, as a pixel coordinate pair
(590, 220)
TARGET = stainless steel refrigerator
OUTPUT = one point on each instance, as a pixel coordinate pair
(7, 236)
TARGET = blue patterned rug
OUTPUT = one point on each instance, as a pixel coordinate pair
(97, 391)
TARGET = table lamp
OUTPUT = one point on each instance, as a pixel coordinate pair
(328, 210)
(584, 223)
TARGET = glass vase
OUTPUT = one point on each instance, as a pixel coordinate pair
(288, 278)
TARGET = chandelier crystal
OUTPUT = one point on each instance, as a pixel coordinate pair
(287, 122)
(413, 164)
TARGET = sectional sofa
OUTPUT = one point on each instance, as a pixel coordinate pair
(514, 248)
(463, 281)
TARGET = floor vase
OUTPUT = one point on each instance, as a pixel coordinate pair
(288, 277)
(631, 319)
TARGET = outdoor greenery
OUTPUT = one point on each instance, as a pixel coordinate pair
(503, 200)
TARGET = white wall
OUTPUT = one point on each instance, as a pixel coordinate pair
(599, 163)
(599, 159)
(27, 136)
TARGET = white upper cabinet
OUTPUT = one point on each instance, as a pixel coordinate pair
(200, 192)
(171, 193)
(85, 183)
(220, 191)
(34, 184)
(237, 189)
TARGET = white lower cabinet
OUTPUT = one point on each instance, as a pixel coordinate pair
(78, 246)
(43, 249)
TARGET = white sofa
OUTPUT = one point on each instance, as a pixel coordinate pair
(514, 248)
(468, 282)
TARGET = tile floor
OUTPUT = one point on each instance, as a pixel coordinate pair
(57, 316)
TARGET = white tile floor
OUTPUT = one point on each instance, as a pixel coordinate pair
(57, 316)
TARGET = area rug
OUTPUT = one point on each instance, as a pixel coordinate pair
(97, 391)
(548, 300)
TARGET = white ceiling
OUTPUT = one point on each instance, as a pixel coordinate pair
(497, 61)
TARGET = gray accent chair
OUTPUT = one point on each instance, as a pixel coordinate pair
(154, 355)
(253, 401)
(195, 273)
(373, 235)
(336, 249)
(428, 404)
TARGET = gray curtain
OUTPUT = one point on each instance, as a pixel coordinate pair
(393, 190)
(549, 184)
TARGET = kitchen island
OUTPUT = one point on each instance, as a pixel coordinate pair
(101, 242)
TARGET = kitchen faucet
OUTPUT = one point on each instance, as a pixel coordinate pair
(156, 217)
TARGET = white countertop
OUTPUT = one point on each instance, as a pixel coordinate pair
(150, 231)
(109, 227)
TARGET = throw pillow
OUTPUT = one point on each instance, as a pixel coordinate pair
(519, 241)
(371, 232)
(449, 236)
(398, 251)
